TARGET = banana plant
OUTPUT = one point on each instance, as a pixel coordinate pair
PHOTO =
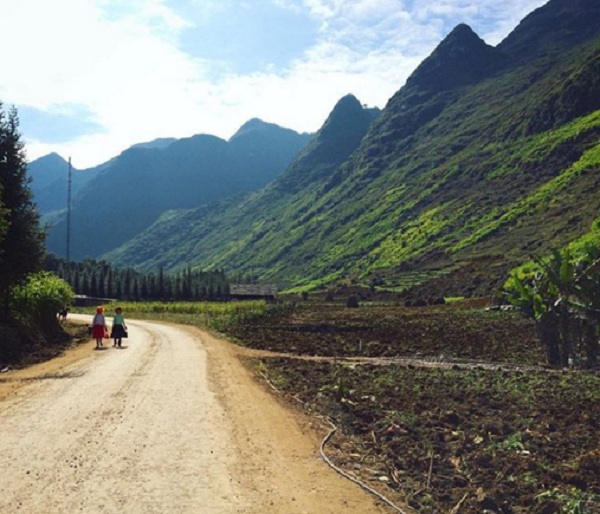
(587, 306)
(559, 269)
(561, 293)
(531, 292)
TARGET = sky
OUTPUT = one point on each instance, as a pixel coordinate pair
(90, 78)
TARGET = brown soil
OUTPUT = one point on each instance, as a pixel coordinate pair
(46, 362)
(439, 409)
(461, 434)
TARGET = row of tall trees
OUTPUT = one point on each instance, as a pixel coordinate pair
(99, 279)
(21, 238)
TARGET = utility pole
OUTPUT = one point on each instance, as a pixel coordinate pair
(69, 212)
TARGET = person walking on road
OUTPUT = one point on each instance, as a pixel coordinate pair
(99, 330)
(119, 329)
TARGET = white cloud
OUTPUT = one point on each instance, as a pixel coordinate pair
(125, 68)
(123, 62)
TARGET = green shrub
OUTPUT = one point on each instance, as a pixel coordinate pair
(38, 300)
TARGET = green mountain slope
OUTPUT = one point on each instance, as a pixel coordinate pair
(49, 179)
(180, 237)
(136, 187)
(485, 156)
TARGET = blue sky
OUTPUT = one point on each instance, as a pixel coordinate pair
(93, 77)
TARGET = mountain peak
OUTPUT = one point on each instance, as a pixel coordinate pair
(348, 101)
(159, 143)
(461, 32)
(339, 136)
(552, 27)
(346, 108)
(460, 59)
(348, 120)
(252, 125)
(51, 158)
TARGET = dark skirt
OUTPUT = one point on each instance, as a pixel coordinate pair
(118, 332)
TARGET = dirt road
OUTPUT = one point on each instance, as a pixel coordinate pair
(171, 423)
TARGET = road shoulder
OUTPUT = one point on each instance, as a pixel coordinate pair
(278, 445)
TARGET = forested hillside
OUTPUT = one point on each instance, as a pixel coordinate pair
(179, 237)
(485, 156)
(131, 191)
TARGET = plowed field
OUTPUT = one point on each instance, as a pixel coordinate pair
(441, 409)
